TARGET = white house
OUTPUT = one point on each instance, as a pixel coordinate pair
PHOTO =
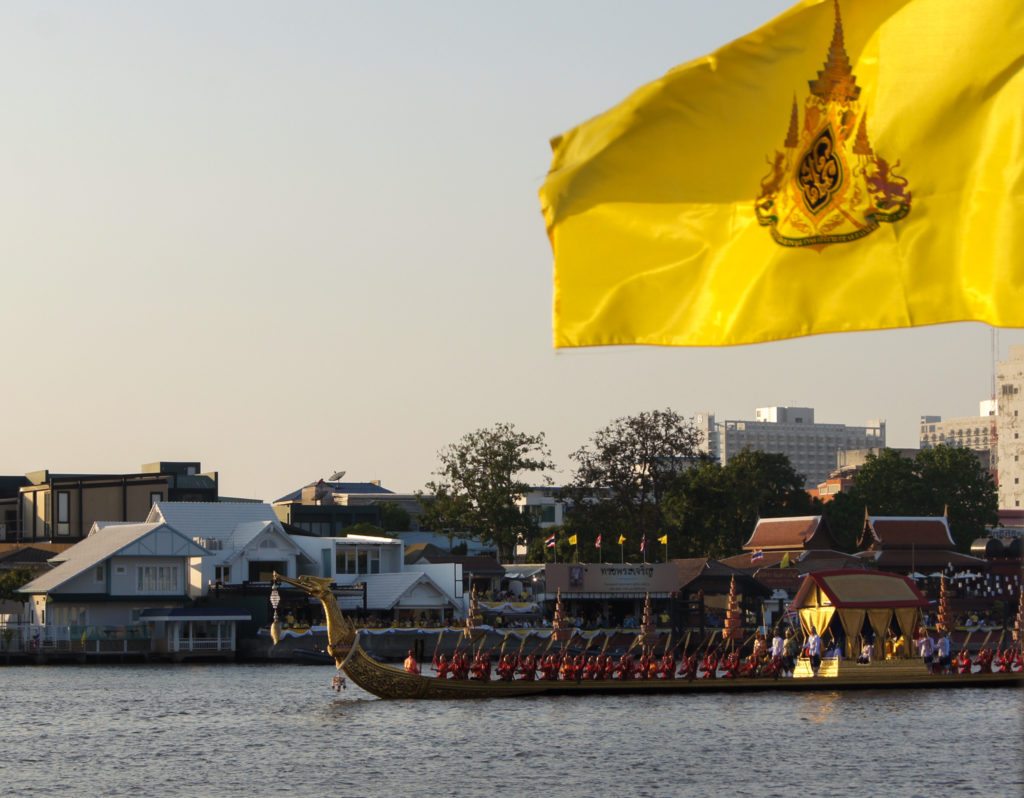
(95, 599)
(393, 591)
(245, 542)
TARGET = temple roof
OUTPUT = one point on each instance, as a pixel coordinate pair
(792, 533)
(906, 532)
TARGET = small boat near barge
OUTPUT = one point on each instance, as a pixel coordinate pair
(820, 596)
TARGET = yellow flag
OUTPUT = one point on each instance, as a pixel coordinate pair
(572, 540)
(622, 539)
(785, 561)
(848, 166)
(663, 539)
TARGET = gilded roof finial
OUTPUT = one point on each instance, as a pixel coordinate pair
(836, 80)
(793, 136)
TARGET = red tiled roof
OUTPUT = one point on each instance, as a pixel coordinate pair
(906, 533)
(802, 532)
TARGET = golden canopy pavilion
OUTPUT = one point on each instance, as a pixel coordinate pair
(855, 597)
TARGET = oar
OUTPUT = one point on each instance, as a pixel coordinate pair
(437, 646)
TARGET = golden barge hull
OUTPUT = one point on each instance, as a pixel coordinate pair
(386, 681)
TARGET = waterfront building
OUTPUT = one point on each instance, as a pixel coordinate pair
(52, 507)
(811, 447)
(122, 591)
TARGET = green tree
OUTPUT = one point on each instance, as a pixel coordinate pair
(946, 479)
(394, 518)
(716, 507)
(481, 477)
(625, 471)
(11, 580)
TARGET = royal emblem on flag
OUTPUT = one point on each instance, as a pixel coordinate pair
(828, 186)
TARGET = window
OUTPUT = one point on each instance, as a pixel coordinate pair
(222, 574)
(158, 578)
(101, 572)
(358, 561)
(154, 497)
(63, 512)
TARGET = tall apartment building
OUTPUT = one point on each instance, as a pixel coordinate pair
(811, 447)
(1010, 430)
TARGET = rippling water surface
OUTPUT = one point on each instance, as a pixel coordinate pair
(226, 730)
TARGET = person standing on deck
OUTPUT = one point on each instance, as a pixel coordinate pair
(942, 649)
(814, 650)
(411, 665)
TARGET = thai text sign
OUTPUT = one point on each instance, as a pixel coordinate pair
(612, 577)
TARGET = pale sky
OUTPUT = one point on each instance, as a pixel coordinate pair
(286, 239)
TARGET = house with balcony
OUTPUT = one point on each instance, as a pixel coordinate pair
(111, 594)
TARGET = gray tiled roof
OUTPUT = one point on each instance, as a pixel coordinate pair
(103, 544)
(210, 519)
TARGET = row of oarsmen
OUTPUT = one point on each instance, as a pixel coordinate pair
(564, 666)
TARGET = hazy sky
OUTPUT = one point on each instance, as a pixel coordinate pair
(286, 239)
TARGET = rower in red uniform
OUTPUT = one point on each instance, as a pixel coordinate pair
(506, 668)
(731, 664)
(667, 669)
(442, 666)
(527, 668)
(481, 668)
(963, 662)
(607, 666)
(460, 665)
(688, 668)
(624, 670)
(709, 666)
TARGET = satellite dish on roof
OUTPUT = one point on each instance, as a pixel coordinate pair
(336, 476)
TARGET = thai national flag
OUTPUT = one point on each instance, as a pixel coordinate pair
(757, 555)
(643, 543)
(551, 541)
(597, 543)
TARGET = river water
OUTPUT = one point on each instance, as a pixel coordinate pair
(268, 730)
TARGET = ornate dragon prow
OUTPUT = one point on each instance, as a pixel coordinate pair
(341, 632)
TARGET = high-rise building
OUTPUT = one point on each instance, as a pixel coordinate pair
(810, 446)
(1010, 430)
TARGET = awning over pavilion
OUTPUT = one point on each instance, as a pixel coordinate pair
(856, 595)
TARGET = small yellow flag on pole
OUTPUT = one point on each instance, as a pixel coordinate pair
(572, 540)
(622, 539)
(851, 165)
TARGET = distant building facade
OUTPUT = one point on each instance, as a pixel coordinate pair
(1010, 430)
(61, 508)
(812, 448)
